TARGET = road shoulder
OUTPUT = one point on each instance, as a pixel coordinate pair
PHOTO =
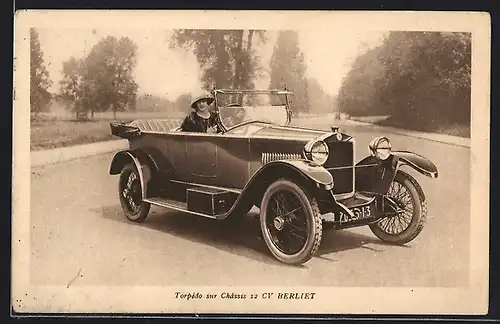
(63, 154)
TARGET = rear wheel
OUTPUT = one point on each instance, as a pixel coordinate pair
(130, 193)
(290, 222)
(405, 226)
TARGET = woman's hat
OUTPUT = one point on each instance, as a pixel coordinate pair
(205, 96)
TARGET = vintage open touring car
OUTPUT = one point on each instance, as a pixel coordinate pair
(302, 180)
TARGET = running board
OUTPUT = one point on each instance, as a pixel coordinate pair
(178, 206)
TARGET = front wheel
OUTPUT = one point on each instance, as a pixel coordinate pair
(290, 222)
(405, 226)
(130, 193)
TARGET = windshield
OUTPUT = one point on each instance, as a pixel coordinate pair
(237, 108)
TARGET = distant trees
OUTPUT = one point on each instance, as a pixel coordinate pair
(420, 79)
(227, 57)
(102, 80)
(287, 68)
(40, 82)
(318, 100)
(183, 102)
(71, 89)
(146, 102)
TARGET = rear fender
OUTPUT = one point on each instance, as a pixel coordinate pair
(140, 162)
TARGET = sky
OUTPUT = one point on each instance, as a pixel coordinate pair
(170, 72)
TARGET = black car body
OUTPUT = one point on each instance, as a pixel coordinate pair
(303, 180)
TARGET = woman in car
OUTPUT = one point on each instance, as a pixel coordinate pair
(201, 119)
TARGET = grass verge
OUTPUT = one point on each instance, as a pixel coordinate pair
(62, 133)
(48, 132)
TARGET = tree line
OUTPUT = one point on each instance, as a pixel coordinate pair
(421, 80)
(40, 82)
(230, 60)
(103, 79)
(100, 81)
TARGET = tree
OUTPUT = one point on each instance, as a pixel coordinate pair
(227, 57)
(71, 90)
(420, 79)
(318, 100)
(104, 79)
(288, 69)
(39, 76)
(107, 74)
(359, 88)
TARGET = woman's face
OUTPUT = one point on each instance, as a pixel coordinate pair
(202, 105)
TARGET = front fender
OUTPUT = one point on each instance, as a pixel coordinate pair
(302, 171)
(301, 168)
(417, 162)
(315, 173)
(374, 175)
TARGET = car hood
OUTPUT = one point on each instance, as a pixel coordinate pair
(287, 133)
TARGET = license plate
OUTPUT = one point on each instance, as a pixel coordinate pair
(358, 213)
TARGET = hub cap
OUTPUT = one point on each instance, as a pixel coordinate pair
(279, 223)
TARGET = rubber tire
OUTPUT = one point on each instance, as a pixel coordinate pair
(144, 207)
(313, 216)
(419, 213)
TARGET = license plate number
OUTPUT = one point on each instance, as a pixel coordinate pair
(358, 213)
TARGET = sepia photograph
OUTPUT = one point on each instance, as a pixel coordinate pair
(251, 162)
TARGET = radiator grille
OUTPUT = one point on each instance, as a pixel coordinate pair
(341, 155)
(343, 180)
(269, 157)
(340, 164)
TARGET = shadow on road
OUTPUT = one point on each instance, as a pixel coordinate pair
(242, 237)
(343, 240)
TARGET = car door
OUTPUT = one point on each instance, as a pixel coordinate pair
(201, 157)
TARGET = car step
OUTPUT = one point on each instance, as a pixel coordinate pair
(179, 206)
(176, 205)
(357, 200)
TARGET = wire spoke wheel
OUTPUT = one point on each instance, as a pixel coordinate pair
(130, 191)
(409, 221)
(398, 223)
(290, 222)
(287, 222)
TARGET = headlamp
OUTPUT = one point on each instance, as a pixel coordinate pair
(380, 147)
(319, 153)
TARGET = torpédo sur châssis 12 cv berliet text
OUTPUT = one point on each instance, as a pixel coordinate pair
(232, 295)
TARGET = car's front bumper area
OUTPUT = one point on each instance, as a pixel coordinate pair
(361, 209)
